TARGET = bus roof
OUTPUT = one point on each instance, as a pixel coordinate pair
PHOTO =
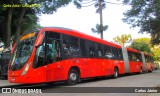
(133, 50)
(147, 54)
(137, 51)
(79, 34)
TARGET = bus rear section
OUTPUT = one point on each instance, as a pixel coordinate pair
(132, 60)
(148, 62)
(55, 54)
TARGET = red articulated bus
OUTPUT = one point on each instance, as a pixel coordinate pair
(134, 61)
(150, 66)
(61, 54)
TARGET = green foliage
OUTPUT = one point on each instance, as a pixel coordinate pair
(46, 6)
(156, 54)
(97, 29)
(29, 22)
(103, 4)
(124, 38)
(141, 46)
(144, 39)
(50, 6)
(146, 15)
(29, 19)
(77, 3)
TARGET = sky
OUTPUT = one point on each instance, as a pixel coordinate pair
(86, 18)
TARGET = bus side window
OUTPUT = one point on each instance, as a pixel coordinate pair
(114, 53)
(120, 57)
(137, 57)
(91, 51)
(100, 50)
(40, 56)
(50, 53)
(54, 49)
(83, 47)
(107, 51)
(146, 58)
(57, 50)
(129, 56)
(70, 46)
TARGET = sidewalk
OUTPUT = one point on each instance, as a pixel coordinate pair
(6, 83)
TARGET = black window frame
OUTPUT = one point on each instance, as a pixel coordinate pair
(100, 50)
(91, 49)
(72, 54)
(83, 51)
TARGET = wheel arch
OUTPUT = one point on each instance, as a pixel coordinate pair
(73, 78)
(115, 75)
(117, 68)
(76, 68)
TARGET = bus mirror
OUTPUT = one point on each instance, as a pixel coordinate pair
(40, 41)
(38, 45)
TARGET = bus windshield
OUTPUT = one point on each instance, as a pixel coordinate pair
(22, 51)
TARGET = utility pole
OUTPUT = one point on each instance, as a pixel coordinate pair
(100, 4)
(101, 18)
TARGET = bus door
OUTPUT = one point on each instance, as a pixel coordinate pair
(40, 65)
(84, 61)
(54, 70)
(91, 62)
(49, 53)
(58, 67)
(46, 55)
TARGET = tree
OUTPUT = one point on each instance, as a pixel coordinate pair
(146, 15)
(29, 22)
(144, 45)
(99, 5)
(124, 38)
(144, 39)
(45, 7)
(5, 21)
(156, 52)
(98, 29)
(141, 46)
(8, 29)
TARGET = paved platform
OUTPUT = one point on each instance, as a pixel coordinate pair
(6, 83)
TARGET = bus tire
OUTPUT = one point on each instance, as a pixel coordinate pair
(73, 77)
(141, 70)
(151, 69)
(2, 77)
(115, 75)
(0, 72)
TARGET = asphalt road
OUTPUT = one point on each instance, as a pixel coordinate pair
(125, 85)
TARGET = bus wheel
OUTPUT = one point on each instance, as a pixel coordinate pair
(151, 69)
(0, 72)
(115, 75)
(73, 77)
(141, 71)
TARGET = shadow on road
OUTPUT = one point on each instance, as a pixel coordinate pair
(50, 87)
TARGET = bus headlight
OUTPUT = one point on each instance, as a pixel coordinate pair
(26, 69)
